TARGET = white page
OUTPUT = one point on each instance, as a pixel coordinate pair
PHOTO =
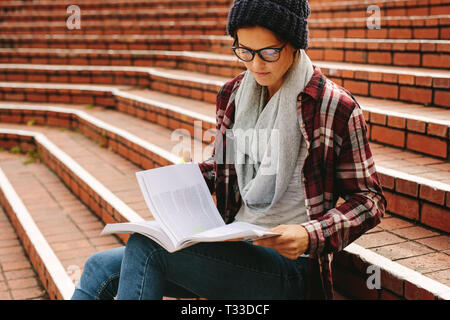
(146, 194)
(182, 201)
(150, 229)
(232, 230)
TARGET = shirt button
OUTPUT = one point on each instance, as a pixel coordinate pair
(308, 208)
(304, 179)
(302, 125)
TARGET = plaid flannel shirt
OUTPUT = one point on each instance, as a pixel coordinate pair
(339, 163)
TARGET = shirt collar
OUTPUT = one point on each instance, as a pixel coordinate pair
(315, 85)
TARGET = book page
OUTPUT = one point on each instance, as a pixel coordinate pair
(237, 229)
(180, 200)
(150, 229)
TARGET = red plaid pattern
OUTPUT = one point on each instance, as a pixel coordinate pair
(339, 164)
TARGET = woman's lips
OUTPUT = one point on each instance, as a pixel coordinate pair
(262, 74)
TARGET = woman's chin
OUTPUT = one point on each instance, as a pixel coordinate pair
(262, 82)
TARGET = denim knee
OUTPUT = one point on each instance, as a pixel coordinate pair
(141, 247)
(100, 272)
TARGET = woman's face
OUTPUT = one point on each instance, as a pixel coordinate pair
(268, 74)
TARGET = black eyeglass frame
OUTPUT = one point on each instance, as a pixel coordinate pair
(253, 52)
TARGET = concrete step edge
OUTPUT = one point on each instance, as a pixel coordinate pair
(40, 246)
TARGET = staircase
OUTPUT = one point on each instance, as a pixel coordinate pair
(81, 110)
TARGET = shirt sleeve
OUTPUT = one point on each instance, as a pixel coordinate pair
(357, 182)
(208, 167)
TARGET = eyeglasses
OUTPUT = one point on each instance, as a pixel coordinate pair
(266, 54)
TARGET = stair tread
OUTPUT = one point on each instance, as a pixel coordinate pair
(70, 228)
(423, 72)
(405, 110)
(395, 238)
(399, 70)
(18, 279)
(389, 107)
(116, 174)
(136, 37)
(406, 162)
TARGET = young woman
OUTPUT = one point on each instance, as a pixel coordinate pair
(313, 150)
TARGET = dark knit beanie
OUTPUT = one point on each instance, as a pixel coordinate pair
(286, 18)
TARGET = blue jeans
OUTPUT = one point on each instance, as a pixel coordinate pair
(144, 270)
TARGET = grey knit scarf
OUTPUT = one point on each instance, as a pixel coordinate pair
(267, 139)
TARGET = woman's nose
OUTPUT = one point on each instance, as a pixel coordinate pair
(258, 63)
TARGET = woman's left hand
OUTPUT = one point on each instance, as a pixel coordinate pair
(292, 242)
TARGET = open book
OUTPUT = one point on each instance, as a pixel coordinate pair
(184, 211)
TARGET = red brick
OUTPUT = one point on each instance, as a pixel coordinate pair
(387, 181)
(435, 60)
(426, 33)
(439, 243)
(432, 195)
(442, 98)
(355, 56)
(402, 205)
(354, 284)
(447, 202)
(28, 293)
(396, 122)
(428, 145)
(412, 292)
(439, 130)
(378, 118)
(415, 233)
(435, 217)
(408, 79)
(357, 87)
(379, 57)
(417, 95)
(388, 295)
(391, 282)
(407, 59)
(407, 187)
(415, 125)
(384, 90)
(389, 136)
(422, 81)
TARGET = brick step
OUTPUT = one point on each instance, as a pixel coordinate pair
(408, 261)
(391, 27)
(19, 279)
(394, 27)
(122, 15)
(412, 284)
(65, 232)
(406, 126)
(121, 51)
(413, 53)
(428, 87)
(218, 44)
(347, 9)
(408, 53)
(358, 8)
(25, 6)
(185, 27)
(355, 9)
(418, 187)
